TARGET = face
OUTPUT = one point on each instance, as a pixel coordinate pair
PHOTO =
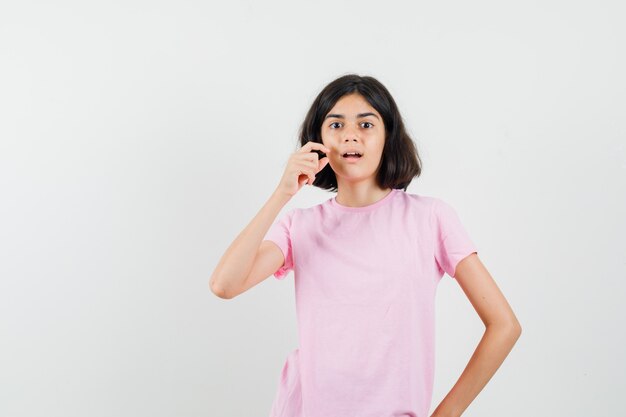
(353, 124)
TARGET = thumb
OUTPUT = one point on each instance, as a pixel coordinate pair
(322, 163)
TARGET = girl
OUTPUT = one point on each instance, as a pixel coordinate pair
(366, 267)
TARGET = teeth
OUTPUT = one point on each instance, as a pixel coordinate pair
(352, 153)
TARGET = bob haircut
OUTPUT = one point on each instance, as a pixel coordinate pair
(400, 161)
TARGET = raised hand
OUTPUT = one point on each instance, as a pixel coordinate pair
(302, 167)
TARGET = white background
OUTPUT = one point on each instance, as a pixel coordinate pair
(138, 138)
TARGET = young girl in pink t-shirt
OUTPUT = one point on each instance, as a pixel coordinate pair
(366, 267)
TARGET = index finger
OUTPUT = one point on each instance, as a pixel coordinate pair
(310, 145)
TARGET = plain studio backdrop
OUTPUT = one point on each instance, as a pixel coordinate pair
(139, 138)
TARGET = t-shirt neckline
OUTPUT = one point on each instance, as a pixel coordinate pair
(335, 204)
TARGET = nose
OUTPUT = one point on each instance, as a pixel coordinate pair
(350, 134)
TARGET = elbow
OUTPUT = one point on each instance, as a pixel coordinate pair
(515, 326)
(518, 329)
(514, 329)
(510, 327)
(218, 289)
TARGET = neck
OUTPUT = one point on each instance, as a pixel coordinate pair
(360, 195)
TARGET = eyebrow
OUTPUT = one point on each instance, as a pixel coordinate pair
(341, 116)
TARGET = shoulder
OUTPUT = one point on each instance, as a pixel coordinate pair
(433, 208)
(301, 215)
(423, 202)
(417, 198)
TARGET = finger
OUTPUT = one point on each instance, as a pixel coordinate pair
(308, 164)
(310, 172)
(312, 157)
(310, 145)
(305, 170)
(322, 163)
(308, 156)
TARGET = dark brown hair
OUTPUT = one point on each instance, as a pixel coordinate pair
(400, 161)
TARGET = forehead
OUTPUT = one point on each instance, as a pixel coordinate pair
(352, 104)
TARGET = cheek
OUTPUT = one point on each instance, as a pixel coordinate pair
(327, 133)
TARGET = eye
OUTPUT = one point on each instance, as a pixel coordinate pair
(368, 123)
(333, 123)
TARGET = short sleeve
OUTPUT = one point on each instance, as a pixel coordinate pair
(452, 242)
(280, 233)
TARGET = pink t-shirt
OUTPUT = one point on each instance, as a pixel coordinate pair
(365, 283)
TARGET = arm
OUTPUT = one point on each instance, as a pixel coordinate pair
(234, 266)
(240, 260)
(502, 332)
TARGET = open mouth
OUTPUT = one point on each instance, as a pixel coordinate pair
(352, 155)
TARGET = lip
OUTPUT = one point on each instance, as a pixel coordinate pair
(345, 151)
(352, 160)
